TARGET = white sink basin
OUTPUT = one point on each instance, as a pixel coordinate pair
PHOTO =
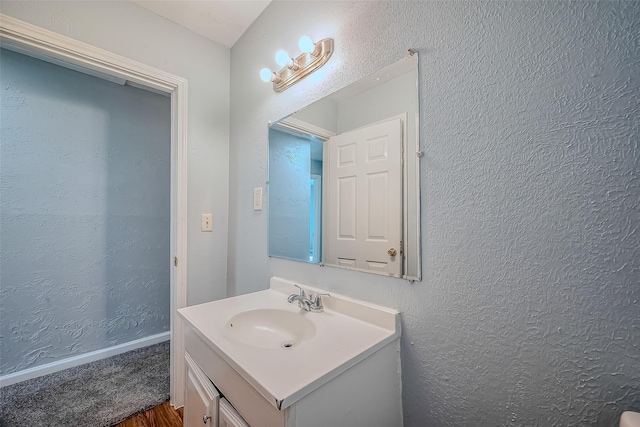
(270, 328)
(249, 331)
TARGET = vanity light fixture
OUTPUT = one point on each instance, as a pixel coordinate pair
(313, 56)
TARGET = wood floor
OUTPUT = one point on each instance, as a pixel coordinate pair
(161, 416)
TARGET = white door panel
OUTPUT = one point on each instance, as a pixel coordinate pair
(346, 200)
(345, 262)
(347, 154)
(364, 185)
(377, 221)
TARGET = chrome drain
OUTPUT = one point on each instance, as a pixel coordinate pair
(287, 344)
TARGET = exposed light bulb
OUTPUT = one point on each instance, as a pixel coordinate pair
(266, 75)
(283, 58)
(306, 45)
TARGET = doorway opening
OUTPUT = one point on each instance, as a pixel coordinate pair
(34, 41)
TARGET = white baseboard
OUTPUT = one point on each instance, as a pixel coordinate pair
(81, 359)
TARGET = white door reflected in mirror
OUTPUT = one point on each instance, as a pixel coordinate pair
(364, 198)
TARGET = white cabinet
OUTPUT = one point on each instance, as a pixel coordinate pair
(366, 395)
(201, 398)
(345, 373)
(203, 404)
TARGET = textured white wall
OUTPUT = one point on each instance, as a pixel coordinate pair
(528, 311)
(131, 31)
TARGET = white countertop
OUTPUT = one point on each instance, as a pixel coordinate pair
(347, 332)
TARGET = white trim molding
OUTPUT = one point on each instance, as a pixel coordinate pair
(297, 126)
(81, 359)
(34, 41)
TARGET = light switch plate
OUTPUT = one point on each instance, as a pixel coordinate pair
(257, 199)
(207, 222)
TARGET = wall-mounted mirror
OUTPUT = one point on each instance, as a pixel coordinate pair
(344, 177)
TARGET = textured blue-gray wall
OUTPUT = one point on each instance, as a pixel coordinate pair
(289, 194)
(528, 313)
(84, 213)
(126, 29)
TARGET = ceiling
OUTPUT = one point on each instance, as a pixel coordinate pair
(222, 21)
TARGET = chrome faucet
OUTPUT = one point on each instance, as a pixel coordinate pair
(303, 300)
(308, 303)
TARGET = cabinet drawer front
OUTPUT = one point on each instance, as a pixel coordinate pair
(251, 405)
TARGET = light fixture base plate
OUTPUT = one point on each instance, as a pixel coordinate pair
(307, 64)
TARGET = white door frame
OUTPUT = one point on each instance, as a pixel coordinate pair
(37, 42)
(317, 242)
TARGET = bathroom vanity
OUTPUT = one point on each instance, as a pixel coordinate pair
(258, 360)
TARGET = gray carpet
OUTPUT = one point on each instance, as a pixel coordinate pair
(97, 394)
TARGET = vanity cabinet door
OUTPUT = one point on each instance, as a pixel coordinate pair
(229, 417)
(201, 398)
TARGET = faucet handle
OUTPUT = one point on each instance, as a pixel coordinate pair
(317, 302)
(303, 294)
